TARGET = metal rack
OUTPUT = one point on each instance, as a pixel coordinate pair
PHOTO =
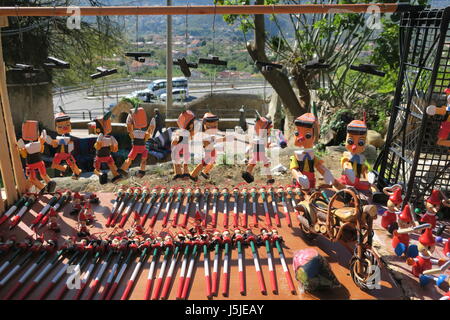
(411, 155)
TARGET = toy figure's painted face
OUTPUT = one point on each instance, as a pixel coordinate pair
(103, 126)
(211, 126)
(403, 224)
(355, 142)
(63, 127)
(432, 207)
(426, 250)
(307, 128)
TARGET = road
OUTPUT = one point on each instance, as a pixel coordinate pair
(78, 103)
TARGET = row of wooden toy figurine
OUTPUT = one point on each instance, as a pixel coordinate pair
(31, 147)
(401, 223)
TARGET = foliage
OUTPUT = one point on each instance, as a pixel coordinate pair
(134, 101)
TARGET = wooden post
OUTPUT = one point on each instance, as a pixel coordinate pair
(11, 166)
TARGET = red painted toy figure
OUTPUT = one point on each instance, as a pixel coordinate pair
(433, 205)
(353, 162)
(444, 131)
(400, 241)
(53, 219)
(181, 154)
(226, 236)
(32, 152)
(259, 147)
(77, 203)
(104, 146)
(209, 139)
(137, 227)
(136, 124)
(389, 218)
(82, 225)
(424, 260)
(304, 162)
(89, 212)
(64, 146)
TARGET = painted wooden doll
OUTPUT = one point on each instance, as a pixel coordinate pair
(64, 146)
(105, 144)
(259, 146)
(210, 127)
(400, 241)
(433, 205)
(32, 152)
(389, 217)
(353, 162)
(181, 154)
(136, 126)
(444, 130)
(304, 162)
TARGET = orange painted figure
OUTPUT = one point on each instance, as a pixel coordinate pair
(209, 139)
(181, 154)
(444, 130)
(32, 152)
(136, 126)
(353, 162)
(104, 146)
(64, 146)
(304, 162)
(259, 146)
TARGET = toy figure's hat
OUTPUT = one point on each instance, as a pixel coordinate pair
(210, 117)
(61, 116)
(427, 238)
(305, 120)
(139, 117)
(30, 130)
(405, 216)
(185, 119)
(435, 198)
(357, 127)
(396, 196)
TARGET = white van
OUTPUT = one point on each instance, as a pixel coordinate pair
(158, 87)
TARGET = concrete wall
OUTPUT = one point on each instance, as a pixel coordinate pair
(31, 102)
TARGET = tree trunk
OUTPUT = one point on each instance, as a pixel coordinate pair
(293, 105)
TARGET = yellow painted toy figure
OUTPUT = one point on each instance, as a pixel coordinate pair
(444, 130)
(64, 145)
(32, 152)
(104, 146)
(353, 162)
(136, 124)
(181, 154)
(304, 162)
(259, 145)
(210, 128)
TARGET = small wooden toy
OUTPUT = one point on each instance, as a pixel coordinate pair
(424, 260)
(400, 241)
(104, 146)
(259, 145)
(444, 130)
(82, 225)
(136, 124)
(53, 219)
(353, 162)
(433, 205)
(304, 161)
(64, 145)
(389, 218)
(181, 154)
(210, 128)
(32, 152)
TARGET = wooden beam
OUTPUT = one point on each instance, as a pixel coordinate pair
(203, 10)
(14, 168)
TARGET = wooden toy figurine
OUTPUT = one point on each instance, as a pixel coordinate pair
(433, 205)
(424, 260)
(353, 162)
(259, 145)
(104, 146)
(210, 127)
(389, 218)
(53, 219)
(64, 145)
(32, 152)
(180, 144)
(400, 241)
(136, 124)
(303, 162)
(444, 130)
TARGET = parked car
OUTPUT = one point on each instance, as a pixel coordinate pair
(177, 94)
